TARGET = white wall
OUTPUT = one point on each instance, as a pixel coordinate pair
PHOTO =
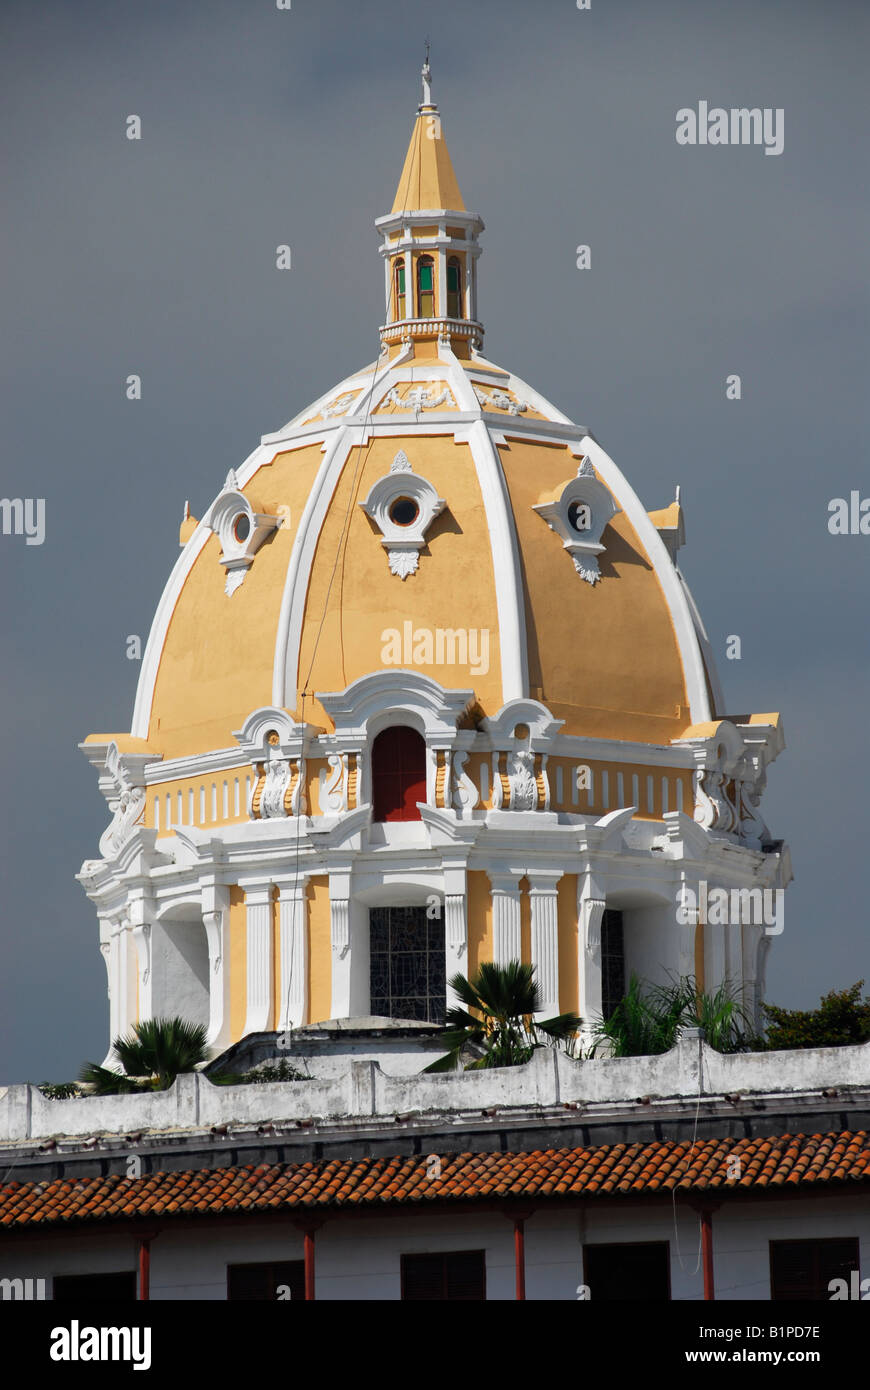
(358, 1259)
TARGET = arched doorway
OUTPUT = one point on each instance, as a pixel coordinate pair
(398, 774)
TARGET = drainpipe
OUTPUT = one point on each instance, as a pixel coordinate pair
(145, 1269)
(308, 1245)
(707, 1252)
(308, 1228)
(519, 1219)
(520, 1255)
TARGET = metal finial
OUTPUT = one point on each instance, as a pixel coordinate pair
(427, 79)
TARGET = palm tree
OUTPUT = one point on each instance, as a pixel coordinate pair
(158, 1050)
(504, 1000)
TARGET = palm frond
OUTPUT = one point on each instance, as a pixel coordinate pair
(562, 1027)
(104, 1082)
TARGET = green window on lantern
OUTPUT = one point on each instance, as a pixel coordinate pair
(425, 288)
(400, 289)
(454, 288)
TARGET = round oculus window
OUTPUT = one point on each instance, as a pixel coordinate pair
(242, 527)
(403, 511)
(579, 516)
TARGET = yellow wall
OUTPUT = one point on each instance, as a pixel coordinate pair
(605, 656)
(453, 586)
(568, 944)
(319, 950)
(219, 653)
(313, 769)
(195, 784)
(595, 802)
(479, 920)
(525, 923)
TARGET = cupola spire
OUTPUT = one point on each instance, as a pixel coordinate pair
(430, 243)
(427, 79)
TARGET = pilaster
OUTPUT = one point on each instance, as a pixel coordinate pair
(258, 924)
(293, 959)
(506, 920)
(543, 893)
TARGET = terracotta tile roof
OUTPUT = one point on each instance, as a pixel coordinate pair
(795, 1162)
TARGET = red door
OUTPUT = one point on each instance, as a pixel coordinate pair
(398, 774)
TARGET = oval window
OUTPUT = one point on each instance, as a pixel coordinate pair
(242, 527)
(404, 511)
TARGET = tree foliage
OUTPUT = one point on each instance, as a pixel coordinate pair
(842, 1017)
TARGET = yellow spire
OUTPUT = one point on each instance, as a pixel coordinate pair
(428, 181)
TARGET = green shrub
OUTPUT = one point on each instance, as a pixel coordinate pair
(842, 1017)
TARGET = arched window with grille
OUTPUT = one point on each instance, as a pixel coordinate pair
(398, 774)
(407, 964)
(454, 288)
(612, 962)
(425, 287)
(399, 284)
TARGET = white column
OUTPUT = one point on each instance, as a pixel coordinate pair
(455, 925)
(258, 906)
(339, 916)
(591, 904)
(714, 951)
(141, 937)
(340, 933)
(545, 940)
(732, 962)
(506, 930)
(410, 287)
(216, 920)
(293, 977)
(755, 947)
(126, 975)
(440, 259)
(687, 932)
(108, 952)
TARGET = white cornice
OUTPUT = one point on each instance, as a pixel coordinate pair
(197, 765)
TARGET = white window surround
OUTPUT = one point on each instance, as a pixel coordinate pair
(229, 508)
(394, 697)
(584, 544)
(540, 723)
(374, 702)
(403, 542)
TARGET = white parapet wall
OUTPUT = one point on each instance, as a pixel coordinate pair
(691, 1069)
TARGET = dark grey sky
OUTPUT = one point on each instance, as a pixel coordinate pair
(263, 126)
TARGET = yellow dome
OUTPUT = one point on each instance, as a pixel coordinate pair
(617, 658)
(425, 650)
(539, 574)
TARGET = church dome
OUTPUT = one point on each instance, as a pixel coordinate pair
(431, 511)
(424, 689)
